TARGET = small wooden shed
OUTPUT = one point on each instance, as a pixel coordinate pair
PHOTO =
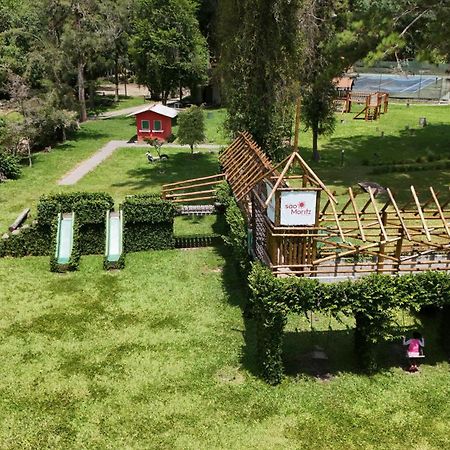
(154, 122)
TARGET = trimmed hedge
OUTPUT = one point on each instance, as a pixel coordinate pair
(236, 238)
(92, 238)
(148, 208)
(32, 241)
(90, 207)
(371, 300)
(148, 223)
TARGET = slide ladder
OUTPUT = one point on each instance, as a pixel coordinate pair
(64, 239)
(114, 233)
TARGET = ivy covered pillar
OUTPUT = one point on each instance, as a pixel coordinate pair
(270, 328)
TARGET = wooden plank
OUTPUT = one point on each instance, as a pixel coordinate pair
(193, 199)
(399, 214)
(372, 199)
(336, 218)
(441, 213)
(20, 219)
(419, 209)
(165, 186)
(315, 177)
(188, 194)
(355, 209)
(280, 179)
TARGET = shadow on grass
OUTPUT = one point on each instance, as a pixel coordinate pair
(180, 166)
(363, 152)
(300, 359)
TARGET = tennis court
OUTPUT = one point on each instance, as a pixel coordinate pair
(408, 86)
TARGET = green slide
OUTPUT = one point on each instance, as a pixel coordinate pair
(64, 238)
(114, 228)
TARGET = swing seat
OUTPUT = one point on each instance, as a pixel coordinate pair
(415, 355)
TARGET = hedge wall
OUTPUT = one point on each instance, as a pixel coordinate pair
(236, 238)
(372, 301)
(31, 241)
(90, 207)
(148, 223)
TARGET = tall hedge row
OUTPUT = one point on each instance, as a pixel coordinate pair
(372, 301)
(148, 223)
(90, 207)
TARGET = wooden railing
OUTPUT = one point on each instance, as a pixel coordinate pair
(193, 190)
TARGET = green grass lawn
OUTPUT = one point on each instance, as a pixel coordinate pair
(127, 172)
(363, 144)
(105, 103)
(159, 356)
(48, 168)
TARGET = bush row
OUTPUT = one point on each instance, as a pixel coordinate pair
(31, 241)
(372, 301)
(9, 166)
(440, 165)
(236, 238)
(89, 207)
(148, 223)
(422, 159)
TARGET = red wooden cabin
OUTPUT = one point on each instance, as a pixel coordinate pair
(154, 122)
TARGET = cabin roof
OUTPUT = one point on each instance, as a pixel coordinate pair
(158, 109)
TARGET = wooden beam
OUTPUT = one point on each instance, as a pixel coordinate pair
(280, 179)
(336, 218)
(422, 218)
(193, 180)
(441, 213)
(399, 214)
(315, 177)
(355, 208)
(372, 199)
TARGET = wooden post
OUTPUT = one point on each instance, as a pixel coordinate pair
(398, 248)
(297, 123)
(380, 262)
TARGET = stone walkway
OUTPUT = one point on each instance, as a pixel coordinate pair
(95, 160)
(87, 165)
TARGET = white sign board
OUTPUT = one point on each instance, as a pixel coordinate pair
(298, 208)
(271, 207)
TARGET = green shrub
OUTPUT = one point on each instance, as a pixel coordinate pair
(32, 241)
(371, 300)
(148, 223)
(92, 206)
(10, 166)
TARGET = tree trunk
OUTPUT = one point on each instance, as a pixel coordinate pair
(125, 82)
(192, 149)
(116, 77)
(181, 91)
(92, 94)
(82, 92)
(316, 154)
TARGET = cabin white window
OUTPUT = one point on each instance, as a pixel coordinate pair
(145, 125)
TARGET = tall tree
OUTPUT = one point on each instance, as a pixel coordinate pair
(117, 26)
(168, 49)
(259, 53)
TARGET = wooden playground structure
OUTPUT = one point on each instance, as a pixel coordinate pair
(373, 104)
(296, 227)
